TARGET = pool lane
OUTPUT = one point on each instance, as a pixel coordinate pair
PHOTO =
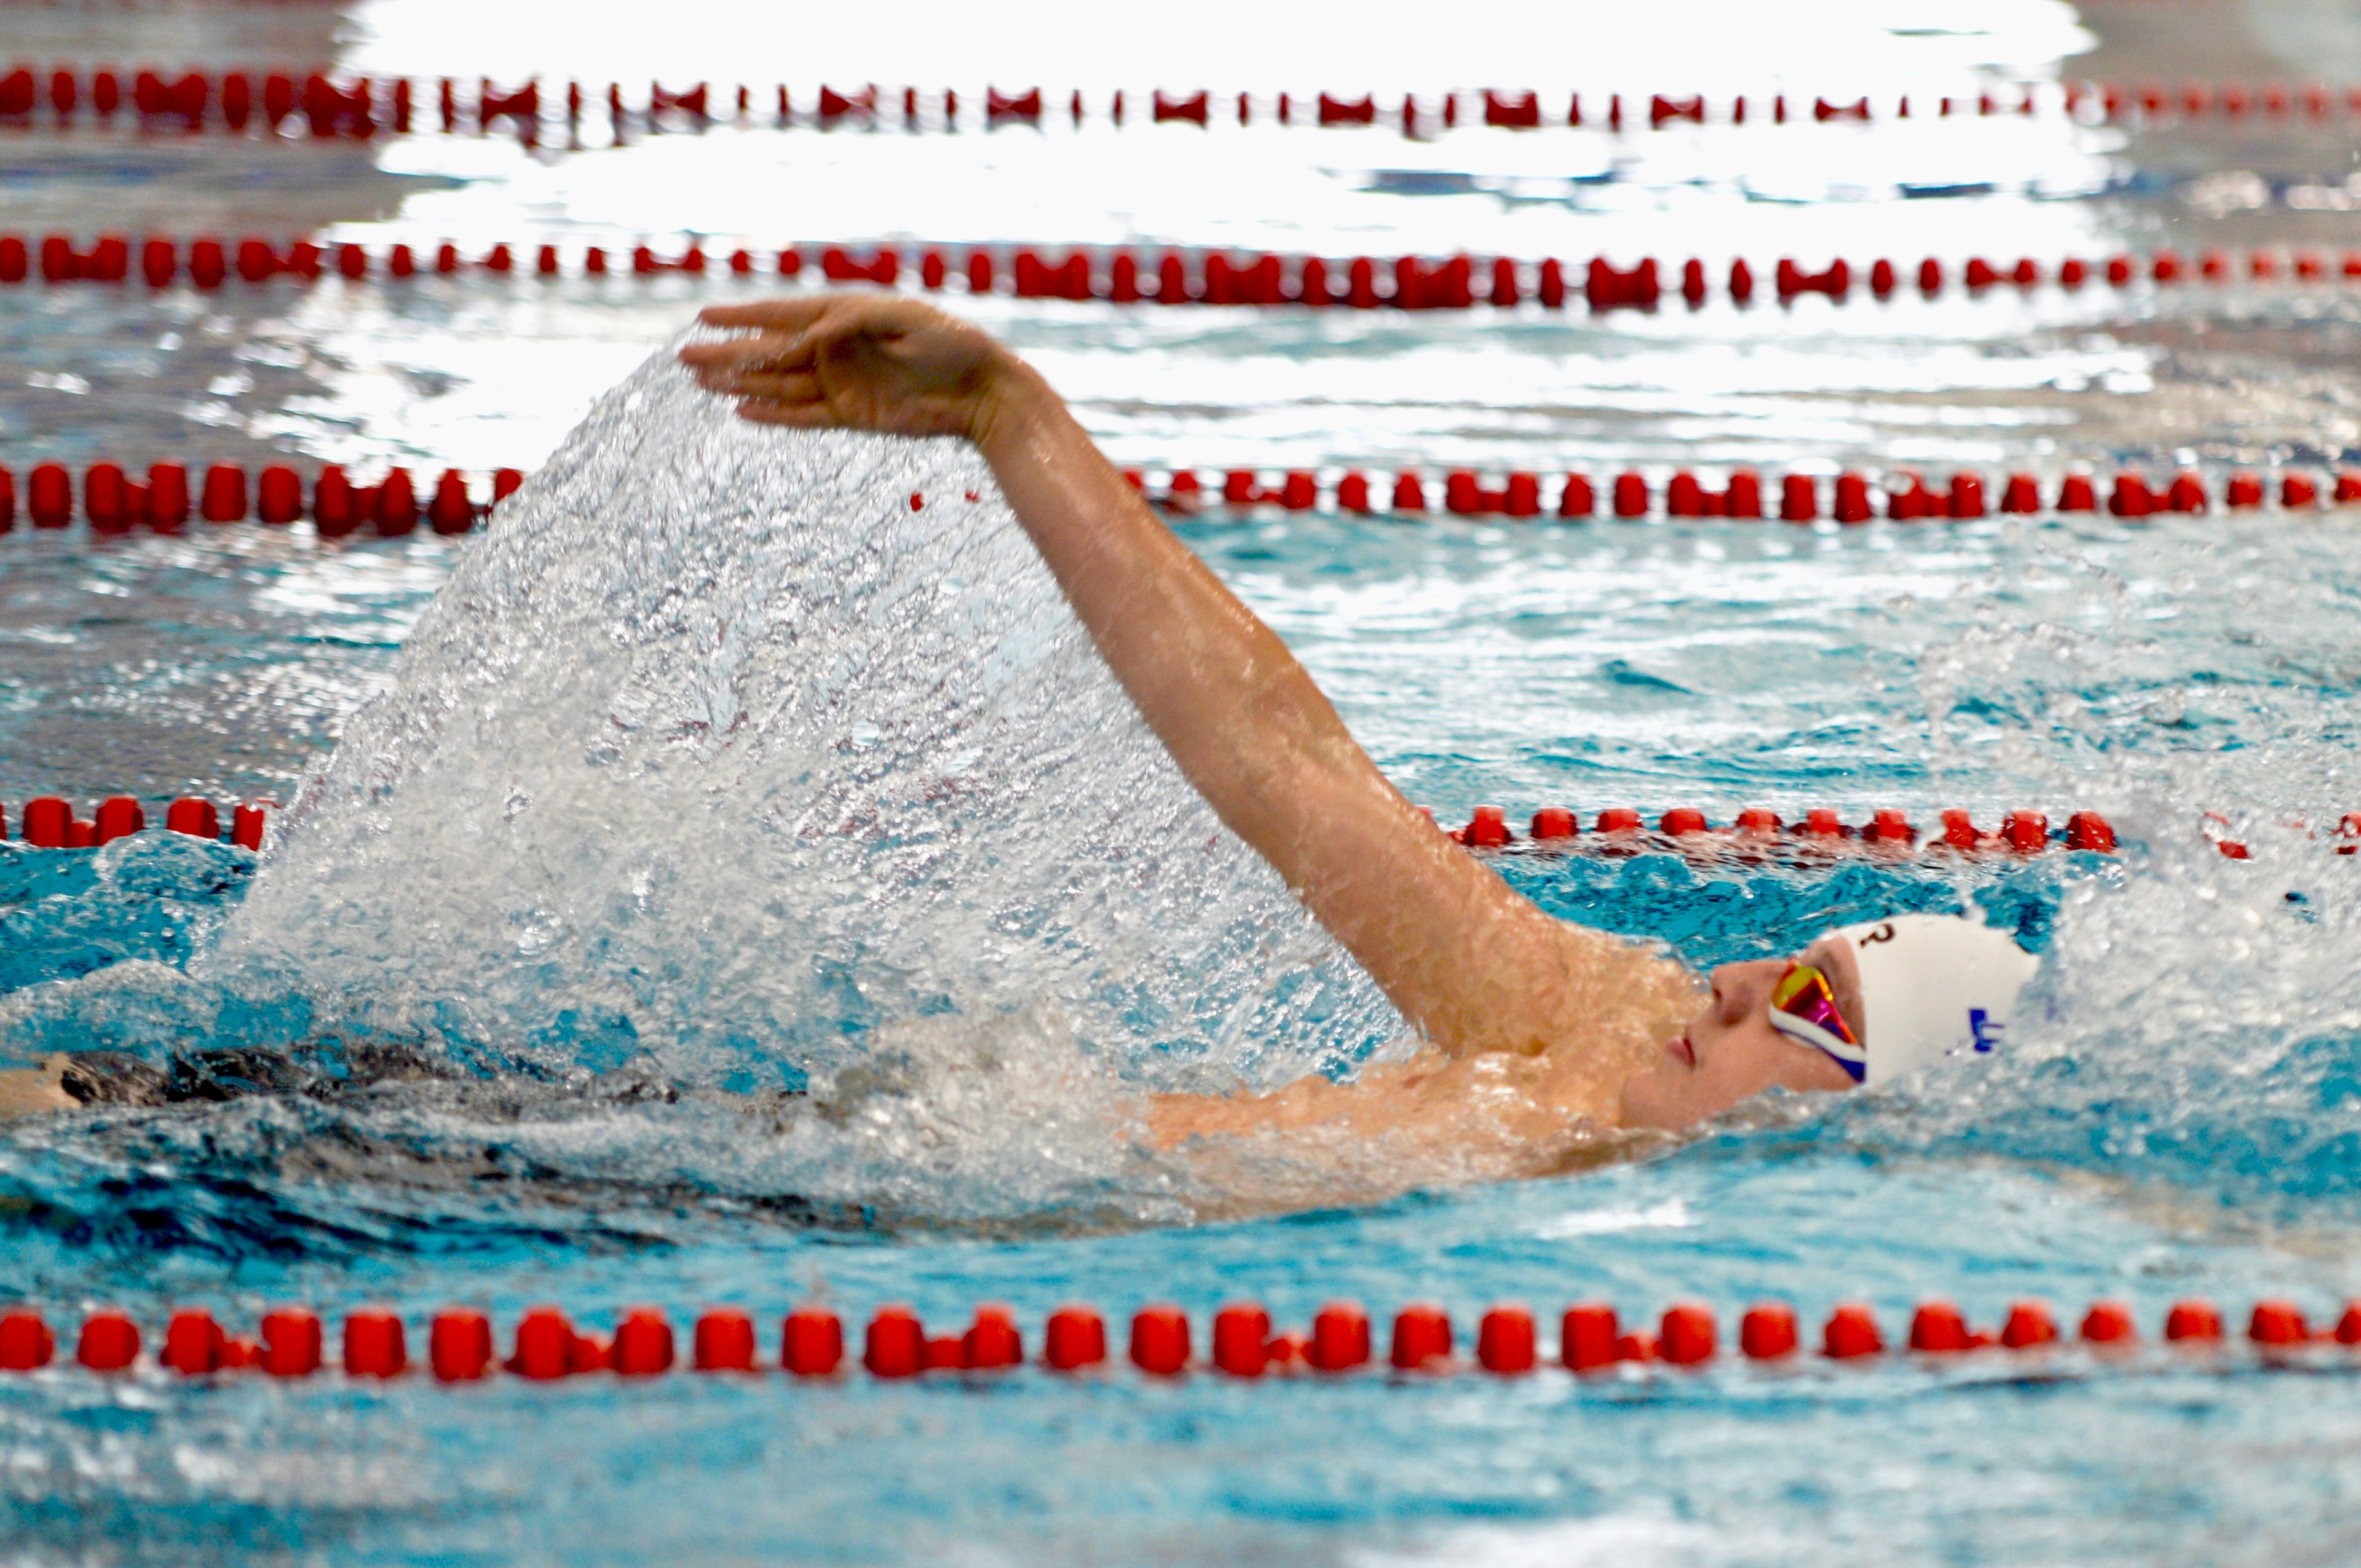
(2183, 1127)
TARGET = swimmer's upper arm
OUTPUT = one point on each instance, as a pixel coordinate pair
(1472, 962)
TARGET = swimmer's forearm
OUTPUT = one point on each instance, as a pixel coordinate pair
(1238, 712)
(1472, 964)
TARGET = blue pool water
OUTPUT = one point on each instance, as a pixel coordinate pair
(2181, 1118)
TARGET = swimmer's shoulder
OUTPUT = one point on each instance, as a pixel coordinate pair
(40, 1091)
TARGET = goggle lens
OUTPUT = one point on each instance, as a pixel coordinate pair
(1803, 992)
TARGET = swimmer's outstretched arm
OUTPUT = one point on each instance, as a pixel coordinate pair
(1474, 965)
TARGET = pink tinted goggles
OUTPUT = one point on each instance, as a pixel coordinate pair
(1804, 1009)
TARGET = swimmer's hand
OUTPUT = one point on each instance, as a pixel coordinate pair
(858, 362)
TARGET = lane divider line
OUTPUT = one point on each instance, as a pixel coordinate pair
(1164, 275)
(1758, 833)
(1622, 830)
(327, 105)
(812, 1342)
(166, 497)
(50, 822)
(1850, 497)
(163, 502)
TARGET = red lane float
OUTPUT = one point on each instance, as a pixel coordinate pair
(25, 1342)
(547, 1346)
(373, 1346)
(1768, 1332)
(48, 822)
(1850, 497)
(1622, 830)
(1899, 495)
(724, 1343)
(1421, 1339)
(322, 104)
(1165, 275)
(1242, 1341)
(111, 503)
(1757, 834)
(1075, 1338)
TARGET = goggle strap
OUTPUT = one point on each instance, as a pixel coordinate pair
(1853, 1059)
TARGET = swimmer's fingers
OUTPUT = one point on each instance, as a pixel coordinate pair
(776, 387)
(823, 318)
(722, 372)
(743, 355)
(779, 315)
(794, 416)
(789, 348)
(794, 314)
(793, 398)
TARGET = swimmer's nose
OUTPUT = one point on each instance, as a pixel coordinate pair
(1737, 987)
(1727, 1009)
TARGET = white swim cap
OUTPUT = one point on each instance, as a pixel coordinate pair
(1931, 985)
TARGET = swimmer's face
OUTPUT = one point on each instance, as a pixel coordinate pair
(1729, 1051)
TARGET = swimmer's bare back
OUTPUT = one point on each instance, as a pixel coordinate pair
(1475, 967)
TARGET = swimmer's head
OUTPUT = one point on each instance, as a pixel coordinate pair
(1867, 1003)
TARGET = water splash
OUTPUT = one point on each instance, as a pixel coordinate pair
(761, 760)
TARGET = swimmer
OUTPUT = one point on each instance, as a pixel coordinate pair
(1536, 1036)
(1565, 1031)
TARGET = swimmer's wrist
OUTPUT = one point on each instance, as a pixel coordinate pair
(1016, 401)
